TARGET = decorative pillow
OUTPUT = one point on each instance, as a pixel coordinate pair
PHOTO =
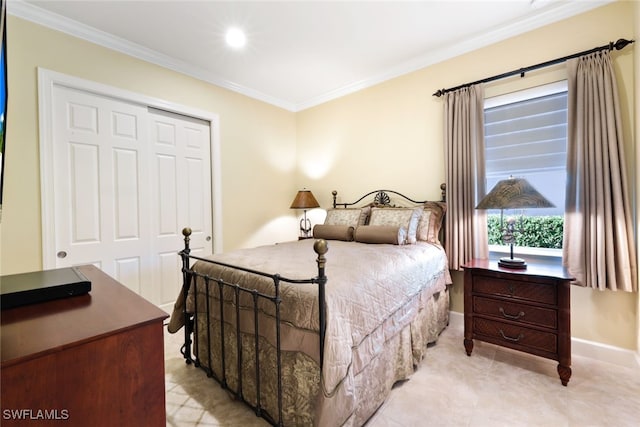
(347, 216)
(333, 232)
(431, 222)
(398, 217)
(381, 234)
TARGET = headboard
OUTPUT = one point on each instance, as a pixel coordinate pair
(430, 225)
(382, 198)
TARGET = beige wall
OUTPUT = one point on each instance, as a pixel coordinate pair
(390, 136)
(637, 160)
(258, 144)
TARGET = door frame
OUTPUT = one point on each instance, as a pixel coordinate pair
(47, 80)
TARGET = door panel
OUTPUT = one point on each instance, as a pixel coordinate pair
(126, 192)
(167, 190)
(84, 193)
(99, 172)
(181, 195)
(123, 189)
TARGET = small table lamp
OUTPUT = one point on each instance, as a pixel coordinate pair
(304, 200)
(513, 193)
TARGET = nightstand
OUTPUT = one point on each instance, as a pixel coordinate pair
(526, 310)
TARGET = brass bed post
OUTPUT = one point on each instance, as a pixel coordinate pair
(321, 247)
(186, 284)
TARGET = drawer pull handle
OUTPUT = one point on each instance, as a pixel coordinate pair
(512, 289)
(511, 316)
(518, 338)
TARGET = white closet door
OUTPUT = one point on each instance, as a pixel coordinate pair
(180, 194)
(127, 179)
(101, 201)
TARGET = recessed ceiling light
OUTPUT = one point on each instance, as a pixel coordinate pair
(538, 4)
(235, 38)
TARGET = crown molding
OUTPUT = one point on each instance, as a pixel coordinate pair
(544, 16)
(76, 29)
(553, 14)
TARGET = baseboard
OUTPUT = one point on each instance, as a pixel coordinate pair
(605, 353)
(580, 347)
(168, 308)
(456, 320)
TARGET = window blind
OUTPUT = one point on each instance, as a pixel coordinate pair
(527, 136)
(528, 139)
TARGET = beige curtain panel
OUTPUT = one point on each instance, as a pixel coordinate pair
(599, 244)
(466, 227)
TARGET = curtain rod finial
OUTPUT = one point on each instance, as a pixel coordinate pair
(439, 93)
(620, 44)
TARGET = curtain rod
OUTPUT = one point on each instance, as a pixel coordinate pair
(619, 45)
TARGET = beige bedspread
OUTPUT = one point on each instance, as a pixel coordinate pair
(373, 292)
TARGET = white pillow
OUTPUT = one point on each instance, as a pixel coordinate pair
(398, 217)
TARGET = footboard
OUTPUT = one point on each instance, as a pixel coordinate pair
(229, 316)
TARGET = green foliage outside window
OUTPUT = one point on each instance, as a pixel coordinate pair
(537, 231)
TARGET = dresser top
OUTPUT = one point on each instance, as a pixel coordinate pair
(37, 329)
(534, 269)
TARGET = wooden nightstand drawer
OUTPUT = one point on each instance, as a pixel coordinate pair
(514, 311)
(511, 335)
(524, 309)
(528, 291)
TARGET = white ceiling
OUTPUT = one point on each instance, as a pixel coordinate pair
(299, 53)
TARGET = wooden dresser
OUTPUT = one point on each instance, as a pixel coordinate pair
(526, 310)
(96, 359)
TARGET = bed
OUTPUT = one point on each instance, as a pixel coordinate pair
(305, 348)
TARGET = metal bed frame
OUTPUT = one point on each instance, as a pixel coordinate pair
(189, 279)
(218, 285)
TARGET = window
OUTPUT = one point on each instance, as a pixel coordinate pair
(526, 136)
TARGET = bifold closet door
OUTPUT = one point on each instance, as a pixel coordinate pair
(126, 180)
(180, 194)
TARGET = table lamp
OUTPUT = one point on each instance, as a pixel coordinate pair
(304, 200)
(513, 193)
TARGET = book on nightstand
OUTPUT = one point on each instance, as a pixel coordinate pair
(39, 286)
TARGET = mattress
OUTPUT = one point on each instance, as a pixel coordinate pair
(384, 303)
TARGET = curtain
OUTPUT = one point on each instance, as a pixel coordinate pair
(466, 227)
(599, 244)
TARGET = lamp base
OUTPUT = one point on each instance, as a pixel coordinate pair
(515, 263)
(305, 227)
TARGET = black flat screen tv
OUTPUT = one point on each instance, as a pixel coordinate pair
(3, 95)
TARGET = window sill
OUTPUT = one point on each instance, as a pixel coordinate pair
(541, 254)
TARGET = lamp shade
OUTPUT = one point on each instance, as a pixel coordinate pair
(514, 193)
(304, 200)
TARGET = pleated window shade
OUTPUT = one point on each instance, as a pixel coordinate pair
(528, 139)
